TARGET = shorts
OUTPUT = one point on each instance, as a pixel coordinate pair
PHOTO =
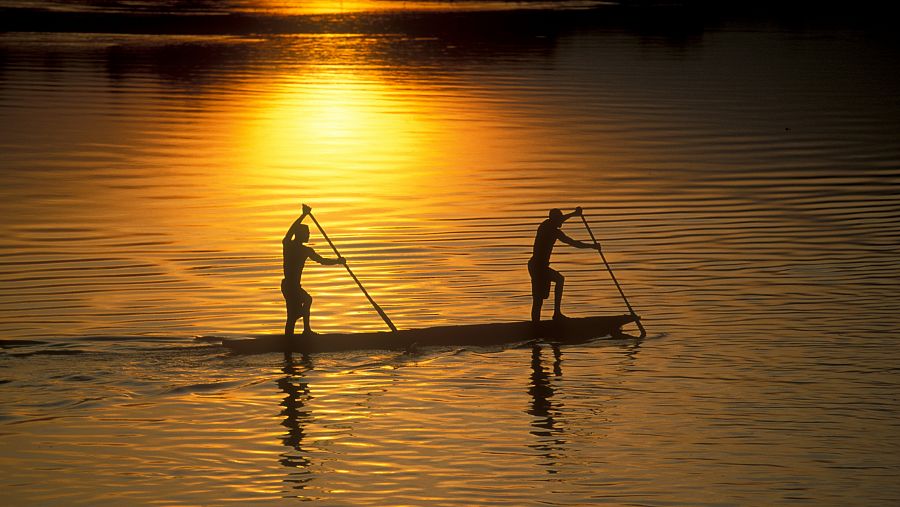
(541, 276)
(294, 296)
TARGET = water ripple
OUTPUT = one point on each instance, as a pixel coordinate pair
(750, 216)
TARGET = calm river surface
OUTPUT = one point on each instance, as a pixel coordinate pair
(744, 178)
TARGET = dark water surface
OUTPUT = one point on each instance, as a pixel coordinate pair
(744, 179)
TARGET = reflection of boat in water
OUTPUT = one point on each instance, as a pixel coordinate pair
(565, 330)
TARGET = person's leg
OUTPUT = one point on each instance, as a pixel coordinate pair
(289, 324)
(536, 303)
(559, 283)
(305, 309)
(540, 289)
(292, 306)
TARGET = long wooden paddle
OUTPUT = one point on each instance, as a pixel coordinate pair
(363, 289)
(637, 320)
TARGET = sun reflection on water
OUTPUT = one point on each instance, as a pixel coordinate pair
(340, 138)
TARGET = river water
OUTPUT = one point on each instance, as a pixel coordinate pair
(743, 177)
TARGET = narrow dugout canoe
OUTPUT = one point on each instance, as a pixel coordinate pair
(566, 330)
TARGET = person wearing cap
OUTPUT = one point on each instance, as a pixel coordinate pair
(539, 265)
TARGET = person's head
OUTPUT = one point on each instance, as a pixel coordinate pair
(556, 217)
(303, 233)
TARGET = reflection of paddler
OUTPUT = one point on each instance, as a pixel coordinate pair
(296, 392)
(539, 264)
(550, 438)
(297, 300)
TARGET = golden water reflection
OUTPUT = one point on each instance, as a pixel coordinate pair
(148, 197)
(325, 134)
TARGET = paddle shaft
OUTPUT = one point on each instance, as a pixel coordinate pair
(613, 275)
(363, 289)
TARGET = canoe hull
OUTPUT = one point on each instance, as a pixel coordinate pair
(568, 330)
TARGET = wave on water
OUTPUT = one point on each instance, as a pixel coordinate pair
(69, 346)
(206, 387)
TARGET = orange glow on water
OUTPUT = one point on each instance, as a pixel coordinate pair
(336, 134)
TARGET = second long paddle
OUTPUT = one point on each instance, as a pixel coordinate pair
(637, 319)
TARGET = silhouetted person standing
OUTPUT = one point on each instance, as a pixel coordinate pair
(539, 264)
(297, 300)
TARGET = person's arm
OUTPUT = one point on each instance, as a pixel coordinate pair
(574, 242)
(322, 260)
(292, 231)
(576, 213)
